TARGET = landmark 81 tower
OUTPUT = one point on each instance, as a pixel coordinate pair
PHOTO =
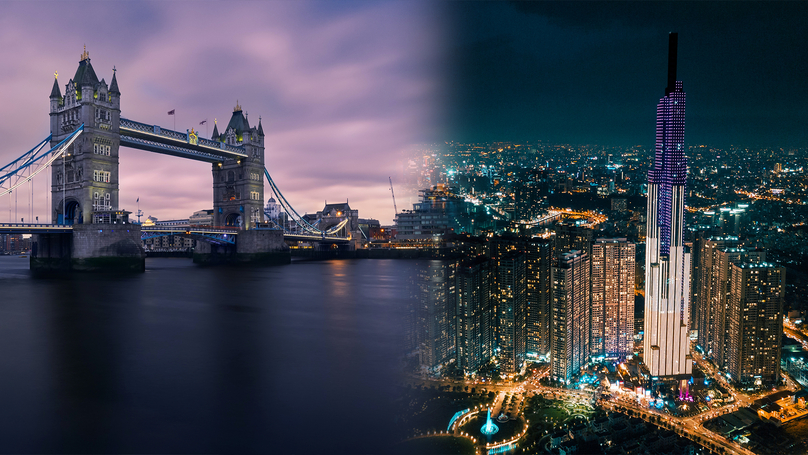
(667, 265)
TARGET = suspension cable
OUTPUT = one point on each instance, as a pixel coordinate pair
(59, 149)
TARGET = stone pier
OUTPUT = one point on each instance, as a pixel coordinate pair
(253, 247)
(90, 248)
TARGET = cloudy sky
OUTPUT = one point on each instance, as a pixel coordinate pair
(342, 87)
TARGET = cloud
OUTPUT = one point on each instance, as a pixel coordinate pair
(341, 88)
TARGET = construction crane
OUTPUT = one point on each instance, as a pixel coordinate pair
(394, 194)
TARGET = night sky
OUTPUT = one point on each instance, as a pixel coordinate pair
(344, 88)
(582, 72)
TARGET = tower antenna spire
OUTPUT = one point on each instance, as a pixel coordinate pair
(673, 42)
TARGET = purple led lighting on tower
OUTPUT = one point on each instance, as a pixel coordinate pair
(667, 262)
(670, 164)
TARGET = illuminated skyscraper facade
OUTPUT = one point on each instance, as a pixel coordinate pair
(569, 344)
(612, 280)
(667, 264)
(755, 323)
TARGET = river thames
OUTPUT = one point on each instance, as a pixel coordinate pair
(301, 358)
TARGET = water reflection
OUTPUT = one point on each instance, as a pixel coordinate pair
(292, 359)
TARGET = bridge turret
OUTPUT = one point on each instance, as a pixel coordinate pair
(238, 185)
(85, 182)
(215, 135)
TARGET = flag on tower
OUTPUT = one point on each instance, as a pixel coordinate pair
(203, 122)
(171, 112)
(138, 200)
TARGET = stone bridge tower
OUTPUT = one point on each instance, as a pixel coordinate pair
(238, 185)
(85, 182)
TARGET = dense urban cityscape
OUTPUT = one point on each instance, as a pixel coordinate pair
(573, 301)
(527, 296)
(650, 305)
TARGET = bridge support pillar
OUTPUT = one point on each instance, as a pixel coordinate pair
(51, 252)
(253, 247)
(90, 248)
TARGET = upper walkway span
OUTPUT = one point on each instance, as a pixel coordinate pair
(189, 145)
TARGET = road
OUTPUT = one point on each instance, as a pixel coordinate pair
(689, 427)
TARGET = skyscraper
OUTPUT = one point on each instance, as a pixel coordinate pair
(718, 255)
(569, 349)
(755, 323)
(708, 292)
(435, 313)
(539, 262)
(667, 263)
(511, 282)
(612, 298)
(476, 318)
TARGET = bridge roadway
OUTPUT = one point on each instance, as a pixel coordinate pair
(210, 233)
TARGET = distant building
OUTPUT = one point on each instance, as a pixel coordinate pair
(570, 236)
(14, 243)
(201, 218)
(439, 211)
(619, 204)
(333, 214)
(273, 211)
(755, 323)
(169, 242)
(571, 315)
(475, 312)
(612, 298)
(371, 229)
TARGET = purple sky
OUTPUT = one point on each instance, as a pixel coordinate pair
(342, 87)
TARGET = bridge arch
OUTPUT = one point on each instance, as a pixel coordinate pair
(234, 219)
(72, 212)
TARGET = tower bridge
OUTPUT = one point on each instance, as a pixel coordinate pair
(91, 231)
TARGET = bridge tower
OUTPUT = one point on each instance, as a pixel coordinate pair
(238, 185)
(85, 182)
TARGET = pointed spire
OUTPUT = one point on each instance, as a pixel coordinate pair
(246, 121)
(215, 135)
(55, 92)
(260, 128)
(113, 86)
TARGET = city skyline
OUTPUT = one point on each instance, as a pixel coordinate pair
(356, 84)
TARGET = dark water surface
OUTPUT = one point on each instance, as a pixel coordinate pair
(290, 359)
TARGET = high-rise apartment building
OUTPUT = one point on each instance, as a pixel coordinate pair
(612, 279)
(570, 237)
(435, 313)
(714, 296)
(539, 253)
(707, 292)
(571, 303)
(666, 348)
(755, 323)
(476, 318)
(511, 293)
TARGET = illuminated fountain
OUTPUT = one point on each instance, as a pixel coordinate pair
(489, 428)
